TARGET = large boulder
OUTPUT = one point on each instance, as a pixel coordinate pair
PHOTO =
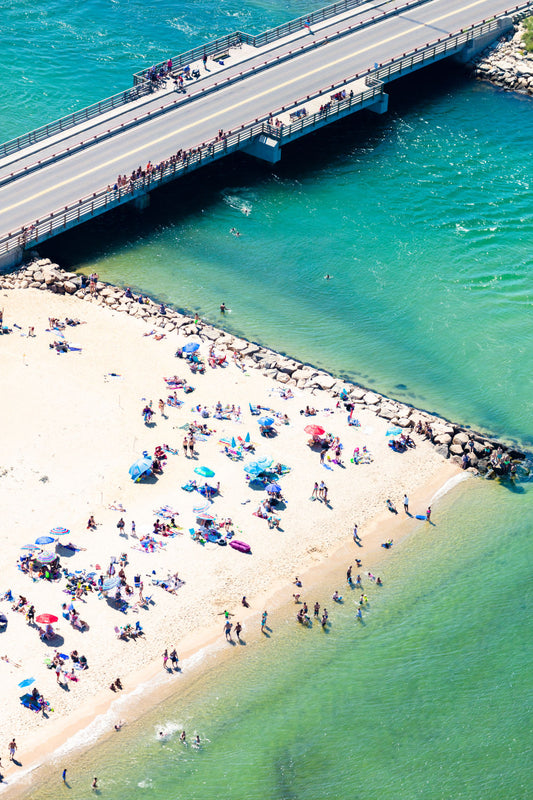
(456, 450)
(461, 438)
(371, 399)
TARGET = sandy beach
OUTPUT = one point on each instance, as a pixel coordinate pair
(73, 425)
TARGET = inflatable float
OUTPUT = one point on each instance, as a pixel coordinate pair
(241, 546)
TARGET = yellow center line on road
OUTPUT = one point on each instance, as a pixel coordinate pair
(275, 88)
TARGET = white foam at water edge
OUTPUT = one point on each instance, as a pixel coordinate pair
(105, 722)
(449, 485)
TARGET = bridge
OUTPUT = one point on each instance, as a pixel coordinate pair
(240, 92)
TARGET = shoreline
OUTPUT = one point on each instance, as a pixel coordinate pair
(506, 64)
(329, 547)
(207, 648)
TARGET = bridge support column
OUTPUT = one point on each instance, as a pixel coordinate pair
(264, 147)
(381, 106)
(141, 202)
(11, 259)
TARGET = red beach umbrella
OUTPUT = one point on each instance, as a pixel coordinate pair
(314, 430)
(46, 619)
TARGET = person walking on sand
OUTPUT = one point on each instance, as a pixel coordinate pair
(314, 496)
(227, 629)
(174, 659)
(12, 747)
(165, 659)
(162, 407)
(349, 574)
(356, 536)
(64, 775)
(238, 629)
(428, 514)
(264, 620)
(406, 504)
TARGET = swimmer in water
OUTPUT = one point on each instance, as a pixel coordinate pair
(118, 725)
(197, 740)
(222, 308)
(182, 736)
(235, 232)
(327, 277)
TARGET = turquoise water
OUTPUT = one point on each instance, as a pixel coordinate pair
(423, 217)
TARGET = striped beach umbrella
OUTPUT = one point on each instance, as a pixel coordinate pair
(59, 531)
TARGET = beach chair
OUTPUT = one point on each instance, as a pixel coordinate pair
(254, 410)
(139, 629)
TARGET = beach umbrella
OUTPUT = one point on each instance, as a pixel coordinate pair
(233, 443)
(247, 438)
(190, 347)
(59, 531)
(29, 547)
(206, 517)
(205, 472)
(266, 422)
(199, 507)
(253, 468)
(26, 682)
(3, 619)
(46, 558)
(139, 468)
(110, 583)
(44, 540)
(46, 619)
(264, 461)
(273, 488)
(314, 430)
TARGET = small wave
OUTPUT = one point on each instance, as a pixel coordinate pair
(449, 485)
(147, 784)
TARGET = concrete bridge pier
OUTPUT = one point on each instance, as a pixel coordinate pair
(11, 259)
(381, 106)
(141, 202)
(265, 148)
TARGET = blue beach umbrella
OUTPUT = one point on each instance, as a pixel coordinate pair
(394, 432)
(190, 347)
(139, 468)
(264, 461)
(44, 540)
(110, 583)
(205, 472)
(247, 438)
(273, 488)
(253, 468)
(59, 531)
(233, 443)
(266, 422)
(26, 682)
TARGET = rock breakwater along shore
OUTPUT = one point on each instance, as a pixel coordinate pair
(506, 63)
(470, 449)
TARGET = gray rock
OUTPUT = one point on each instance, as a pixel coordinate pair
(443, 438)
(442, 450)
(460, 439)
(371, 399)
(456, 450)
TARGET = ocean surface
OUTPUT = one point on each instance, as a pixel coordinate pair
(423, 217)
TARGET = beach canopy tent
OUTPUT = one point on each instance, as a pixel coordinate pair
(205, 472)
(190, 347)
(143, 466)
(265, 422)
(314, 430)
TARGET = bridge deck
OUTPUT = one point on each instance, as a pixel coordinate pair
(244, 90)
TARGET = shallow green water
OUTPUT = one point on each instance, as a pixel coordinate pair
(424, 219)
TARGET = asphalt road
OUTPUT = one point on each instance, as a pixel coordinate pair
(229, 106)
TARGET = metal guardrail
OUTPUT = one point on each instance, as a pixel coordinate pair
(84, 114)
(206, 153)
(219, 45)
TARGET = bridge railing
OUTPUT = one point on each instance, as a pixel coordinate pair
(84, 114)
(219, 46)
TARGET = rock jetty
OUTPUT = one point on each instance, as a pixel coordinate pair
(451, 440)
(506, 63)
